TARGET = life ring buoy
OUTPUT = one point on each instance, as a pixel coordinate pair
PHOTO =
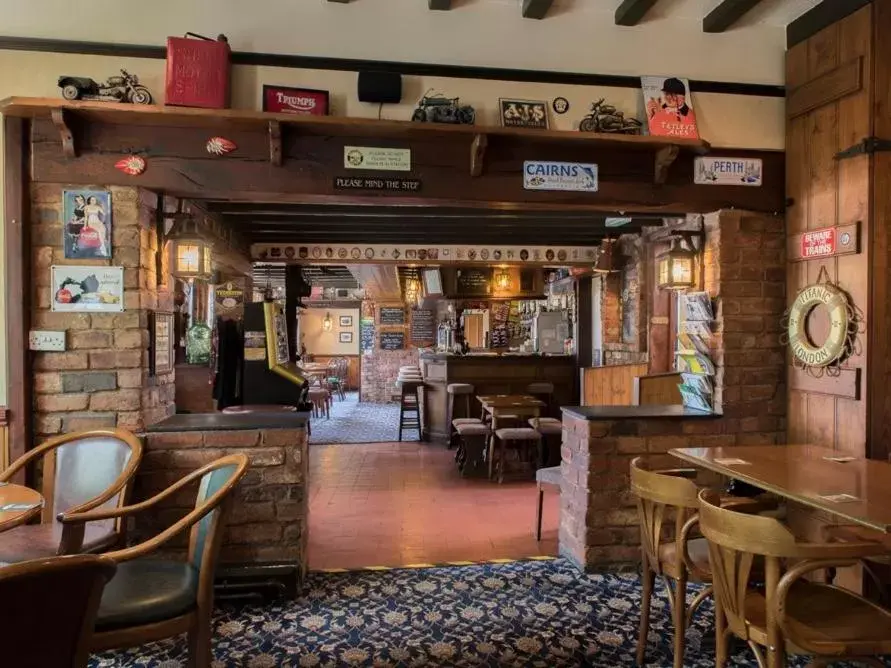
(834, 346)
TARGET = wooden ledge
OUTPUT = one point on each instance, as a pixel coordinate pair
(331, 126)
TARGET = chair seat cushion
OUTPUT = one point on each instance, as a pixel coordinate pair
(143, 591)
(478, 429)
(548, 426)
(459, 388)
(458, 421)
(518, 434)
(696, 547)
(550, 476)
(35, 541)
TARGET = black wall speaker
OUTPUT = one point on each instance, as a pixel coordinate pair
(380, 87)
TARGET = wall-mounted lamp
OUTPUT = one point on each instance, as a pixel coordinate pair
(676, 268)
(327, 323)
(192, 253)
(502, 280)
(412, 291)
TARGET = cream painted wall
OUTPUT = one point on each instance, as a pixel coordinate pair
(320, 342)
(3, 349)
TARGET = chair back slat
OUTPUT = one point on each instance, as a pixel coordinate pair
(211, 483)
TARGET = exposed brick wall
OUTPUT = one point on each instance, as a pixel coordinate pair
(380, 368)
(744, 265)
(102, 380)
(623, 305)
(268, 514)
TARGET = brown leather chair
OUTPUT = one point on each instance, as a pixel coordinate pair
(789, 614)
(150, 599)
(82, 471)
(49, 610)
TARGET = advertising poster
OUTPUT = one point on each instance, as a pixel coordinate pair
(87, 289)
(87, 229)
(669, 107)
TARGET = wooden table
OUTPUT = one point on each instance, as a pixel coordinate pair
(315, 371)
(858, 490)
(18, 504)
(501, 405)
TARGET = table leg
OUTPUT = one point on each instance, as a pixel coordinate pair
(491, 448)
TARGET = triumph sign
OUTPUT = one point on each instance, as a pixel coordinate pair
(303, 101)
(576, 176)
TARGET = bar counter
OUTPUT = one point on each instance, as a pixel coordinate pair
(647, 412)
(491, 374)
(268, 511)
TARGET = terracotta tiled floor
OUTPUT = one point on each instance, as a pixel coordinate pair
(392, 504)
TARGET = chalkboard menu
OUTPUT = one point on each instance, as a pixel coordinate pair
(366, 334)
(474, 282)
(392, 316)
(392, 340)
(423, 330)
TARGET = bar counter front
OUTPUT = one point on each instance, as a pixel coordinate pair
(491, 373)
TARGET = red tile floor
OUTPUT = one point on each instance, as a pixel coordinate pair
(391, 504)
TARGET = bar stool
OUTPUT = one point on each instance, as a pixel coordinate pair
(471, 455)
(321, 401)
(523, 437)
(551, 430)
(552, 476)
(543, 391)
(464, 390)
(410, 407)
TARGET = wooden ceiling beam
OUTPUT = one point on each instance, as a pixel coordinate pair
(632, 12)
(726, 14)
(536, 9)
(441, 5)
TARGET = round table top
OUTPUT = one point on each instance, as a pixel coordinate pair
(18, 504)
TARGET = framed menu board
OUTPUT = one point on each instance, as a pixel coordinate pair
(423, 330)
(160, 342)
(392, 340)
(474, 282)
(390, 315)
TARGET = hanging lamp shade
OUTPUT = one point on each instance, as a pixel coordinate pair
(502, 280)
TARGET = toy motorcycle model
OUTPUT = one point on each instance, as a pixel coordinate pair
(606, 118)
(125, 88)
(439, 109)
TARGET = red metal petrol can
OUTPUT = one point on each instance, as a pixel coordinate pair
(197, 72)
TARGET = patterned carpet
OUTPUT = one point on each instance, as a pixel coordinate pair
(534, 613)
(354, 422)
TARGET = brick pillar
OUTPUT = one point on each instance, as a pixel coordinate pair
(102, 380)
(744, 271)
(380, 368)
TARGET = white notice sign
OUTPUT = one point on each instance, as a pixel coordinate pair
(383, 159)
(727, 171)
(576, 176)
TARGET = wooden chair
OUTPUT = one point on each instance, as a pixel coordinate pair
(151, 599)
(82, 471)
(789, 614)
(665, 495)
(50, 610)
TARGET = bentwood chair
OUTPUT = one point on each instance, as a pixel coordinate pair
(82, 471)
(49, 610)
(662, 495)
(788, 614)
(150, 599)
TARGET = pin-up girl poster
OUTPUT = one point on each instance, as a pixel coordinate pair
(87, 229)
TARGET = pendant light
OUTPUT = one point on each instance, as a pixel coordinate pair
(327, 323)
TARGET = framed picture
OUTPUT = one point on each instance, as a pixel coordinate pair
(160, 342)
(86, 228)
(303, 101)
(346, 337)
(346, 321)
(84, 289)
(524, 113)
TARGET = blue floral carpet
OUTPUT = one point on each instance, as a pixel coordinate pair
(355, 422)
(532, 613)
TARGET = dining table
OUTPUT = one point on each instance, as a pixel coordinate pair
(18, 504)
(853, 488)
(316, 371)
(501, 406)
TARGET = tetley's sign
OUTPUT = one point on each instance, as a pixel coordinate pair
(559, 176)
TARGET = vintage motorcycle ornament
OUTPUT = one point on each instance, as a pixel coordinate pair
(133, 165)
(606, 118)
(125, 88)
(220, 146)
(441, 109)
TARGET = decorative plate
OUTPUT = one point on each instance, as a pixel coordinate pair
(355, 253)
(316, 252)
(369, 253)
(342, 253)
(561, 255)
(484, 254)
(133, 165)
(220, 146)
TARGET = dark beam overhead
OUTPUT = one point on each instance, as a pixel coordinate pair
(822, 16)
(439, 4)
(631, 12)
(536, 9)
(726, 14)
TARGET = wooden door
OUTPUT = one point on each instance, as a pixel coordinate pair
(829, 109)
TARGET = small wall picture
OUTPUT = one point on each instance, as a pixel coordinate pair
(346, 321)
(80, 289)
(87, 226)
(346, 337)
(524, 113)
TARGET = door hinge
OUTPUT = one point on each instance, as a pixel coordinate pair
(867, 146)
